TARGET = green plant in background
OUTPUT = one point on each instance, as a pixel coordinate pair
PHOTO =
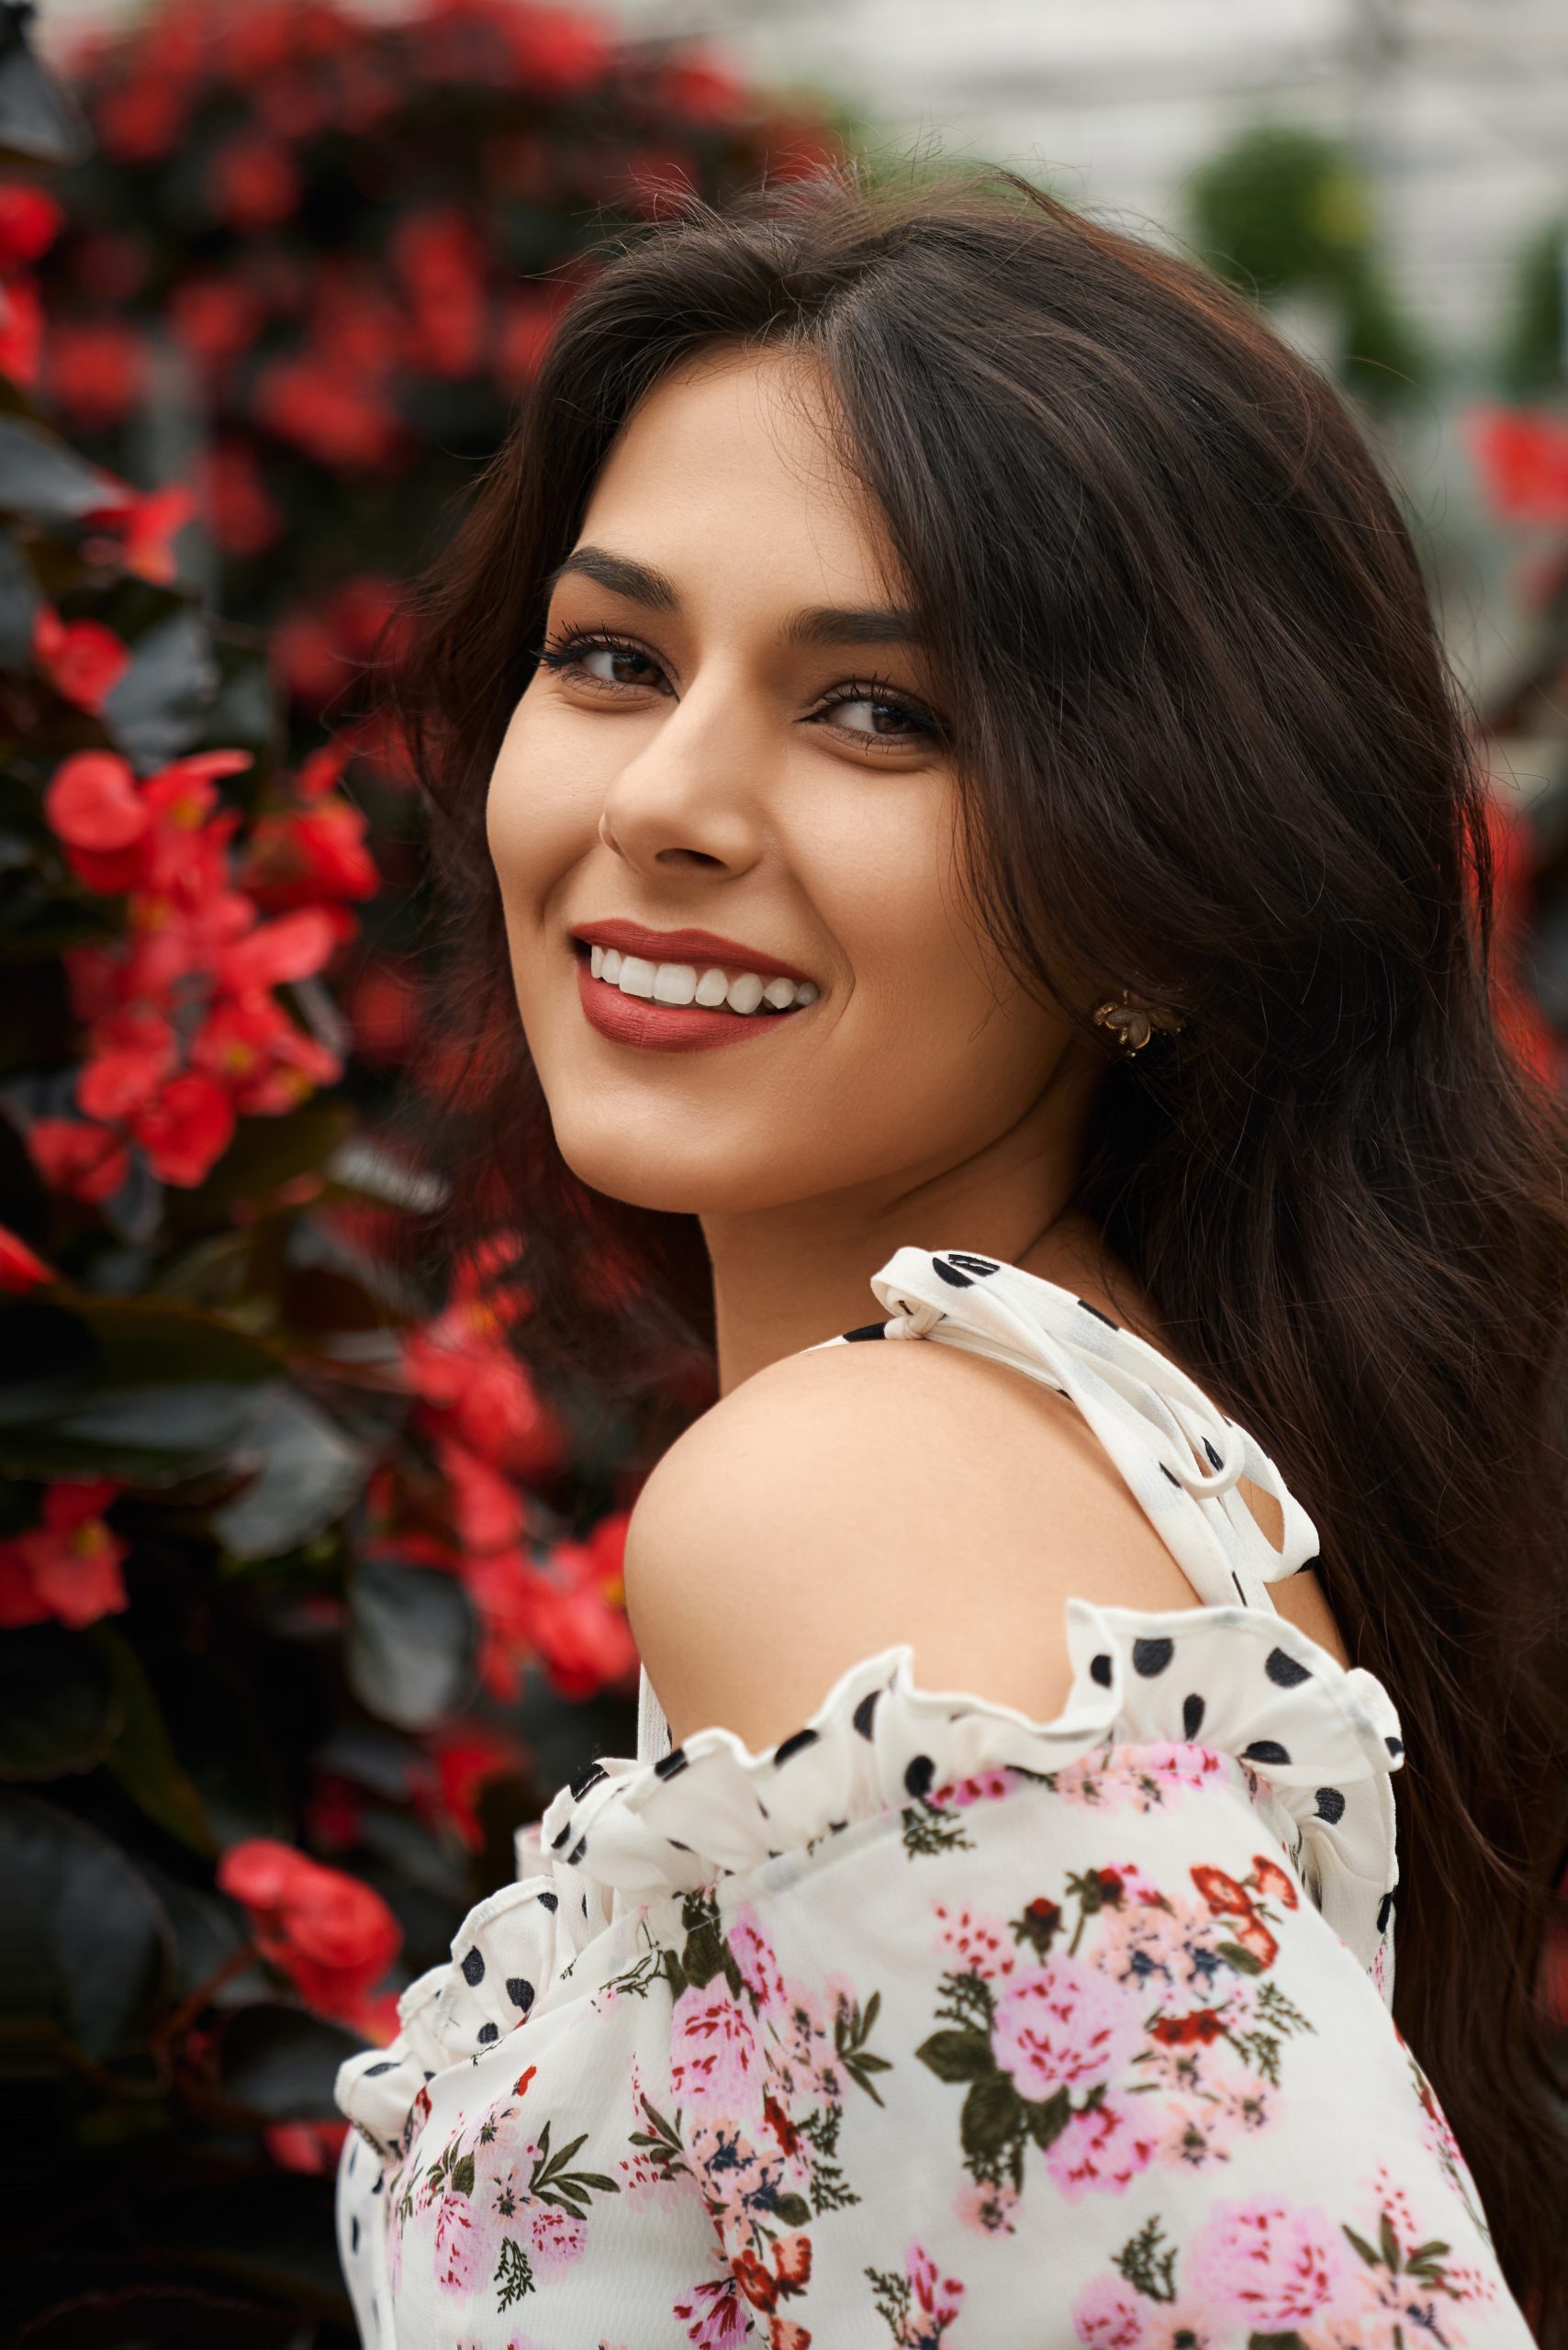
(1534, 356)
(1283, 211)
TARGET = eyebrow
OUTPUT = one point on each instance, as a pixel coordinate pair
(814, 625)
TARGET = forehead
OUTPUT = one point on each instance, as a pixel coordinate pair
(732, 460)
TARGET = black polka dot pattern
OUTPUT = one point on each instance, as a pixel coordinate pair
(1100, 1670)
(795, 1745)
(1193, 1712)
(1151, 1657)
(1285, 1672)
(519, 1991)
(473, 1968)
(1331, 1805)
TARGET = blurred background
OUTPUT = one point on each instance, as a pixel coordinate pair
(309, 1587)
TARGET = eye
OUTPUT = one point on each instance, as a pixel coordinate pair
(568, 655)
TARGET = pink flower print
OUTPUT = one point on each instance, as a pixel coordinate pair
(1271, 1882)
(713, 2050)
(935, 2302)
(1062, 2026)
(1142, 1778)
(754, 1957)
(986, 1786)
(739, 2182)
(1164, 1950)
(1273, 2265)
(467, 2243)
(1107, 2316)
(559, 2237)
(715, 2314)
(1183, 2325)
(976, 1942)
(987, 2209)
(1102, 2148)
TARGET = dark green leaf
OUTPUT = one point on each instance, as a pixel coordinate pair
(410, 1644)
(1046, 2123)
(991, 2118)
(281, 2061)
(792, 2209)
(957, 2055)
(159, 707)
(59, 1707)
(93, 1946)
(1242, 1960)
(148, 1435)
(1389, 2243)
(1359, 2243)
(43, 479)
(308, 1474)
(462, 2179)
(142, 1757)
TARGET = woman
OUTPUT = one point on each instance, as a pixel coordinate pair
(959, 655)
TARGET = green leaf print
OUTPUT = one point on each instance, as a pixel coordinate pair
(991, 2119)
(1245, 1963)
(1148, 2264)
(793, 2209)
(513, 2276)
(461, 2179)
(1358, 2243)
(1275, 2342)
(851, 2030)
(927, 1828)
(957, 2055)
(552, 2182)
(1046, 2123)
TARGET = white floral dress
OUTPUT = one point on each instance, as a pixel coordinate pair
(937, 2027)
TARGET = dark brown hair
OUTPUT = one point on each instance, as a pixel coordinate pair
(1209, 750)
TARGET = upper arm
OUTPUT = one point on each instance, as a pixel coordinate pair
(851, 1499)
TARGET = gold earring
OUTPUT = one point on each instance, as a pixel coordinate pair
(1135, 1023)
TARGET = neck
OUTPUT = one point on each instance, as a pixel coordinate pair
(786, 1277)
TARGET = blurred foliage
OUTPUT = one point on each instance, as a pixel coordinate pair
(1283, 211)
(309, 1591)
(1535, 343)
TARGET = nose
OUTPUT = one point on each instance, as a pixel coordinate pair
(694, 793)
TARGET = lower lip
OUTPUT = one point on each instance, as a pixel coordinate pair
(668, 1028)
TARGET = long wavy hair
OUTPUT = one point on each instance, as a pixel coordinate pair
(1208, 749)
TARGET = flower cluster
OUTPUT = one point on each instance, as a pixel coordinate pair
(185, 1031)
(331, 1936)
(68, 1565)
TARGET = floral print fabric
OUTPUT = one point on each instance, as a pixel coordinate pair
(1053, 2047)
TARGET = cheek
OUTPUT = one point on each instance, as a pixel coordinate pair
(534, 826)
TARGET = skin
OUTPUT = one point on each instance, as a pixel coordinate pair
(721, 773)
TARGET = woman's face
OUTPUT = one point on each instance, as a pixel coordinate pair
(741, 738)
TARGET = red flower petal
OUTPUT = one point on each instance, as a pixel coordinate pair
(187, 1130)
(19, 1268)
(81, 1161)
(92, 802)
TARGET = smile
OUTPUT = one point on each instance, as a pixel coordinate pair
(682, 1007)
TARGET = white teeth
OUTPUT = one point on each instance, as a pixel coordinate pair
(675, 983)
(681, 983)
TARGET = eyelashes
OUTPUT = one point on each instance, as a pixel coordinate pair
(563, 653)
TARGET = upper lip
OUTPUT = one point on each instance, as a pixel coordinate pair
(698, 946)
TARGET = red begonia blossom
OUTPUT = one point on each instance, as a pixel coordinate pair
(217, 319)
(264, 1062)
(68, 1566)
(92, 802)
(83, 1161)
(82, 659)
(331, 1935)
(339, 418)
(466, 1760)
(1523, 457)
(95, 370)
(252, 184)
(145, 527)
(20, 1268)
(21, 330)
(185, 1129)
(312, 2148)
(30, 219)
(131, 1054)
(302, 855)
(295, 947)
(460, 1364)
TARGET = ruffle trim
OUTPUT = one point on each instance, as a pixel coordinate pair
(1321, 1740)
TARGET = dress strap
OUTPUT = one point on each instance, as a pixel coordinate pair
(1179, 1453)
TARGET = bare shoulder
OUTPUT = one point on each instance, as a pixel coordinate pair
(851, 1498)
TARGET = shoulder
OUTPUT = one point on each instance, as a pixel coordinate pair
(852, 1498)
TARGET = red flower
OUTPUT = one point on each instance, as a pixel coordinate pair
(263, 1062)
(460, 1363)
(146, 528)
(138, 121)
(310, 2146)
(82, 660)
(1254, 1937)
(19, 1268)
(251, 184)
(308, 854)
(333, 1937)
(217, 319)
(186, 1129)
(1187, 2032)
(245, 518)
(95, 370)
(1523, 457)
(466, 1761)
(132, 1054)
(83, 1162)
(92, 802)
(1225, 1897)
(66, 1567)
(30, 221)
(338, 419)
(1271, 1880)
(441, 262)
(585, 1644)
(295, 947)
(21, 330)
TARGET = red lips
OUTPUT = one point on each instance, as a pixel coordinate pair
(699, 946)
